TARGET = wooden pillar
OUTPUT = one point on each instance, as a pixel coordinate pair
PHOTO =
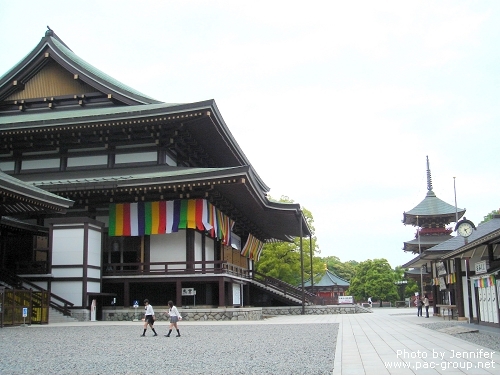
(230, 295)
(126, 294)
(222, 293)
(459, 293)
(178, 293)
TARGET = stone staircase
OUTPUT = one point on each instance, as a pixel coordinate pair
(58, 317)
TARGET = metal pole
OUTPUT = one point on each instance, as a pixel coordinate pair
(420, 254)
(456, 209)
(311, 256)
(302, 266)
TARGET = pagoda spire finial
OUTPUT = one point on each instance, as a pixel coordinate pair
(429, 179)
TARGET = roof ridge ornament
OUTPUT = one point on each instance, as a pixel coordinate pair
(429, 179)
(49, 32)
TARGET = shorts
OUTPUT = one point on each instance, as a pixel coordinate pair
(149, 319)
(174, 319)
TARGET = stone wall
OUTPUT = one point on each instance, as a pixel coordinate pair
(314, 310)
(217, 314)
(222, 314)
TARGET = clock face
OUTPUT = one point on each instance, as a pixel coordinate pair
(464, 229)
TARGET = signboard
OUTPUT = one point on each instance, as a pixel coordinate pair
(346, 299)
(481, 267)
(136, 304)
(188, 292)
(442, 283)
(25, 312)
(440, 268)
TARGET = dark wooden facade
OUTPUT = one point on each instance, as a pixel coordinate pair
(71, 130)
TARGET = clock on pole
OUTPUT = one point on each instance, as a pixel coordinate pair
(465, 227)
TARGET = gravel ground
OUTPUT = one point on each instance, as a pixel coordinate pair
(225, 349)
(488, 340)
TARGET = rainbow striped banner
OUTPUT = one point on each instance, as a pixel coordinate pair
(147, 218)
(253, 248)
(484, 282)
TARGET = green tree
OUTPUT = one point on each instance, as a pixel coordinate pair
(490, 216)
(376, 279)
(344, 270)
(281, 260)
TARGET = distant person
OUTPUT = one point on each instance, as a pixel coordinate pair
(149, 318)
(419, 306)
(175, 316)
(426, 304)
(370, 301)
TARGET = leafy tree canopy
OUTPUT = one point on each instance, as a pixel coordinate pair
(344, 270)
(281, 260)
(490, 216)
(374, 278)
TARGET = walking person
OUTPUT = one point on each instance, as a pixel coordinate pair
(426, 304)
(149, 318)
(419, 306)
(175, 316)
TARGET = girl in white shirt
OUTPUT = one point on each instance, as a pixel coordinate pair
(149, 318)
(175, 316)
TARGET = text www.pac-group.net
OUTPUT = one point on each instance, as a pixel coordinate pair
(436, 360)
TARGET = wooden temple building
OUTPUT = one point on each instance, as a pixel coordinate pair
(141, 199)
(431, 218)
(329, 288)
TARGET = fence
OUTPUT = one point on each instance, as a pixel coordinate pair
(14, 300)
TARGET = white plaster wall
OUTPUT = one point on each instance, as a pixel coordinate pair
(94, 248)
(198, 248)
(169, 247)
(93, 287)
(67, 246)
(93, 273)
(41, 284)
(209, 248)
(465, 296)
(236, 294)
(69, 290)
(135, 157)
(67, 272)
(80, 161)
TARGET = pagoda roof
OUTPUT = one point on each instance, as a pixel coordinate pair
(432, 208)
(19, 197)
(328, 279)
(52, 48)
(235, 190)
(426, 241)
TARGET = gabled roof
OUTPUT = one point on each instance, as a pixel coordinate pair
(21, 198)
(328, 279)
(52, 48)
(488, 232)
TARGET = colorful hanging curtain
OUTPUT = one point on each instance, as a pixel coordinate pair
(484, 282)
(146, 218)
(253, 248)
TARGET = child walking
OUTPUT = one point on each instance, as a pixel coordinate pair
(174, 318)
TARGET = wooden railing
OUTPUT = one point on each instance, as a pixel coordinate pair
(288, 289)
(16, 282)
(173, 268)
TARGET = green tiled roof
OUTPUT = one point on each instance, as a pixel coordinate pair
(86, 114)
(433, 206)
(329, 279)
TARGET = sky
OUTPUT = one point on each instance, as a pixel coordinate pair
(336, 104)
